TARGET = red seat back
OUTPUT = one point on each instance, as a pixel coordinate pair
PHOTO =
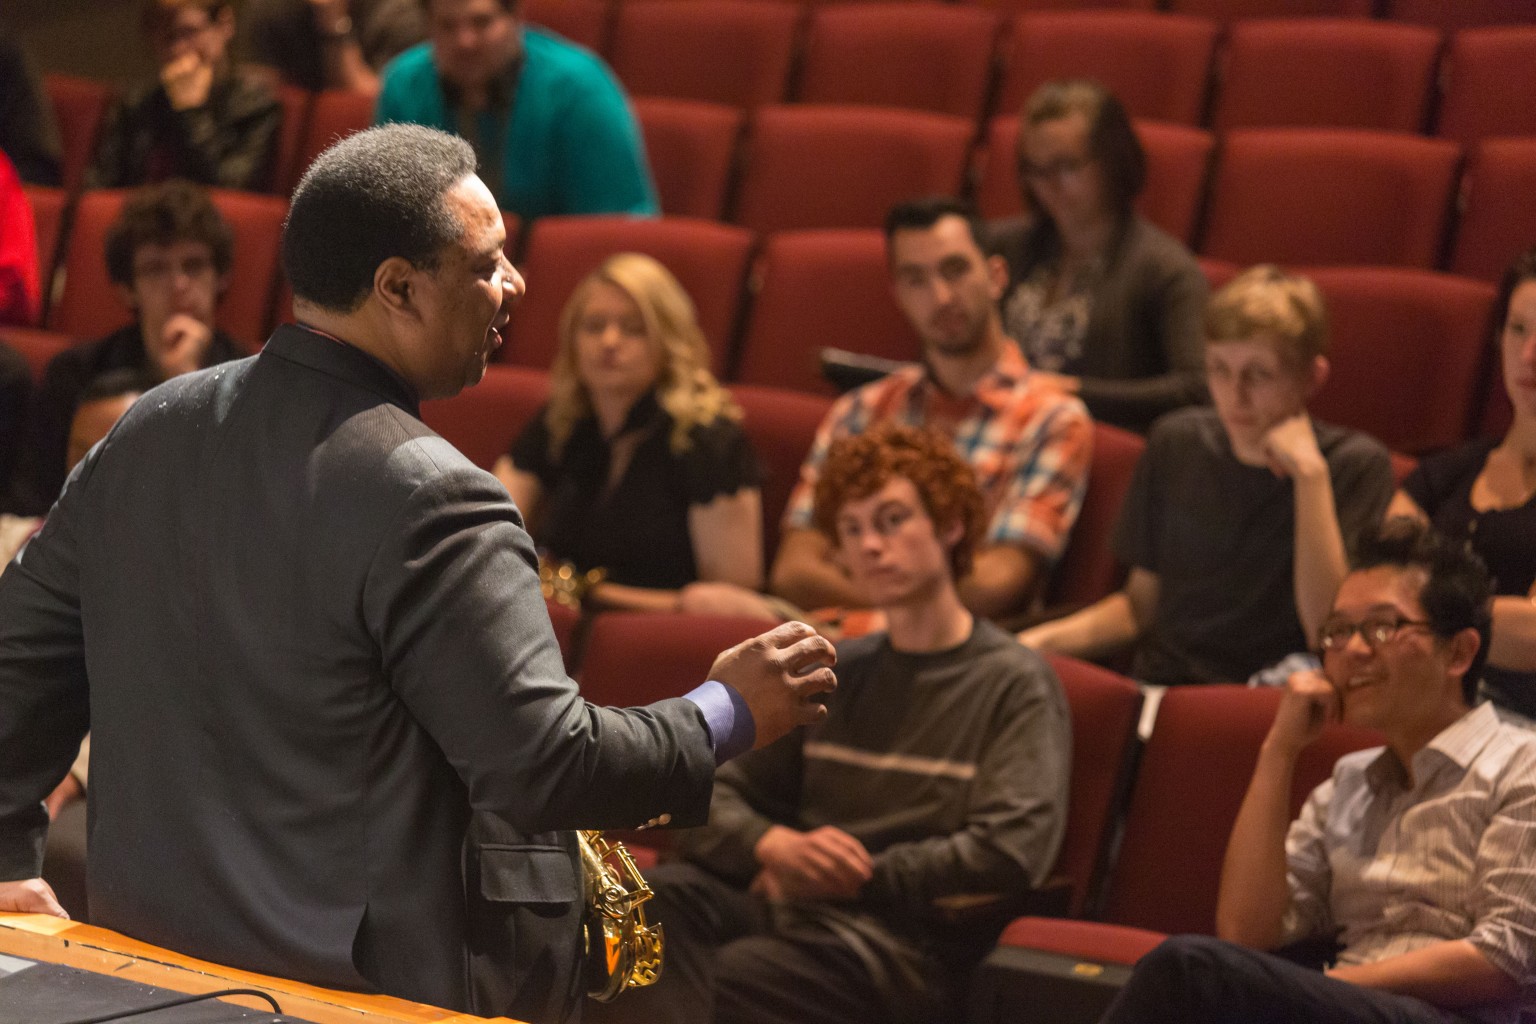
(719, 51)
(814, 289)
(1478, 70)
(482, 421)
(1158, 65)
(781, 426)
(692, 148)
(335, 114)
(1321, 196)
(915, 54)
(1104, 707)
(1498, 222)
(37, 347)
(1088, 569)
(1406, 350)
(1193, 774)
(819, 166)
(79, 104)
(636, 658)
(1461, 13)
(48, 206)
(709, 260)
(90, 306)
(1359, 74)
(1234, 10)
(296, 103)
(587, 22)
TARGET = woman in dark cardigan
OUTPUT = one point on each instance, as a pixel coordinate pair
(1096, 294)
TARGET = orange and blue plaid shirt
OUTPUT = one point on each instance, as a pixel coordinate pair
(1028, 442)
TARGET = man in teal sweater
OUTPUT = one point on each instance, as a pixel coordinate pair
(550, 125)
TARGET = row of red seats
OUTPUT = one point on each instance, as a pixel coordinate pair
(1161, 877)
(940, 58)
(966, 60)
(1410, 355)
(1287, 195)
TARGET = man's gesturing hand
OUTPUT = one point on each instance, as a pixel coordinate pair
(30, 896)
(776, 674)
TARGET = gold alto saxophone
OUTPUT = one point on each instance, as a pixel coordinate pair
(622, 950)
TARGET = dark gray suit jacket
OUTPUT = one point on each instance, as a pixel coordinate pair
(307, 636)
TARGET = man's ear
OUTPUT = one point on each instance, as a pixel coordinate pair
(1463, 648)
(951, 534)
(396, 286)
(997, 276)
(1317, 375)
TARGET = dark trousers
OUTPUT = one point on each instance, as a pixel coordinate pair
(730, 958)
(1195, 978)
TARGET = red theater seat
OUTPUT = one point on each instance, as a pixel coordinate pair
(1359, 74)
(918, 55)
(296, 103)
(1319, 196)
(636, 658)
(1406, 349)
(719, 51)
(819, 166)
(691, 147)
(335, 114)
(1478, 100)
(1458, 14)
(483, 421)
(79, 105)
(1234, 10)
(1498, 219)
(781, 426)
(581, 21)
(819, 289)
(1157, 64)
(1088, 569)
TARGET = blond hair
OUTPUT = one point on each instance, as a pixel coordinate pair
(1264, 300)
(685, 388)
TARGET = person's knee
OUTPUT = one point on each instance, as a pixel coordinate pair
(1180, 954)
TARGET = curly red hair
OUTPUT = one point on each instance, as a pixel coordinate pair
(858, 466)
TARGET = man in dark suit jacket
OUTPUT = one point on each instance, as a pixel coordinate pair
(307, 635)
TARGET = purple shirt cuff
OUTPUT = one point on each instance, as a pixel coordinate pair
(731, 728)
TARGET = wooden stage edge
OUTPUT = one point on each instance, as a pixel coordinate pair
(54, 940)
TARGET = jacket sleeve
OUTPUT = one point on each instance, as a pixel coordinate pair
(44, 697)
(452, 599)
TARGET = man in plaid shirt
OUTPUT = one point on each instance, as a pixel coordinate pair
(1028, 440)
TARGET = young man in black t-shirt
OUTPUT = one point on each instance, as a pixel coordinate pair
(1238, 521)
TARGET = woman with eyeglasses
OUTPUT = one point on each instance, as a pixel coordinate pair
(1485, 491)
(1097, 295)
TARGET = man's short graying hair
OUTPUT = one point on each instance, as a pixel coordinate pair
(371, 196)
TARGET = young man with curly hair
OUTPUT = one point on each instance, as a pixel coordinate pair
(855, 872)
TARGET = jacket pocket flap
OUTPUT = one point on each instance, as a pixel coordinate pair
(528, 874)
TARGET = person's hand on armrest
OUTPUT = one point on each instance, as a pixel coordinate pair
(823, 864)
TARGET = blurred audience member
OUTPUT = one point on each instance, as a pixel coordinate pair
(638, 465)
(169, 254)
(1408, 872)
(20, 290)
(200, 118)
(1239, 518)
(857, 870)
(1028, 442)
(1485, 492)
(28, 134)
(328, 44)
(550, 124)
(1097, 294)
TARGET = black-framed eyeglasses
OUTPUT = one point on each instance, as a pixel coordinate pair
(1376, 631)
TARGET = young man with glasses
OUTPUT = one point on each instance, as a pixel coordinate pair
(1415, 857)
(169, 255)
(1239, 517)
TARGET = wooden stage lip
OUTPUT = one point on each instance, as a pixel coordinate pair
(55, 940)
